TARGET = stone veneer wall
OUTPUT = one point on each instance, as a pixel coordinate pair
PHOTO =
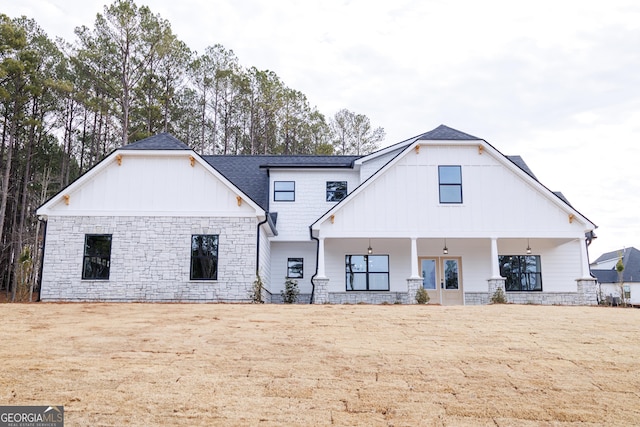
(586, 295)
(150, 259)
(368, 297)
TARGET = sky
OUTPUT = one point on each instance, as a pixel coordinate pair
(557, 82)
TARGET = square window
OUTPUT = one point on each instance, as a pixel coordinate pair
(367, 272)
(97, 257)
(522, 272)
(284, 191)
(336, 190)
(450, 183)
(295, 268)
(204, 257)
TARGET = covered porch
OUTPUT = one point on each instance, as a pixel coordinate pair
(453, 270)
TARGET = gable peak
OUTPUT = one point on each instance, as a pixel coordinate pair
(443, 132)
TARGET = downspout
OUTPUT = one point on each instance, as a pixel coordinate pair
(44, 239)
(313, 286)
(266, 218)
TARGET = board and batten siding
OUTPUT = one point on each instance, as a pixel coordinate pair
(498, 202)
(152, 185)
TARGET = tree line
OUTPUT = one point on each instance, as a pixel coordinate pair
(65, 106)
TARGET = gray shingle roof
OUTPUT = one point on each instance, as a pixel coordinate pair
(161, 141)
(630, 260)
(249, 173)
(522, 165)
(443, 132)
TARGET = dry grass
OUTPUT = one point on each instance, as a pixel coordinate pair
(276, 365)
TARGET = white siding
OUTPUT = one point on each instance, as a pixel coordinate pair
(280, 252)
(294, 218)
(498, 202)
(369, 167)
(152, 186)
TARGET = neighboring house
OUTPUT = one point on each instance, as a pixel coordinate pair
(604, 269)
(155, 221)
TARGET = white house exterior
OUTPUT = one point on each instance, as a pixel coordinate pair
(155, 221)
(624, 286)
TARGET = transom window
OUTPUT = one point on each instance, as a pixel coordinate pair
(367, 272)
(522, 272)
(284, 191)
(204, 257)
(450, 180)
(97, 257)
(295, 268)
(336, 190)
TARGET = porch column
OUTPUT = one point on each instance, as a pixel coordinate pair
(586, 271)
(415, 274)
(496, 281)
(495, 263)
(587, 290)
(321, 272)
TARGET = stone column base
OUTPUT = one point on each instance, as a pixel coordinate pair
(413, 284)
(587, 291)
(321, 290)
(494, 284)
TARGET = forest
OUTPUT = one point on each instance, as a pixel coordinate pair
(67, 105)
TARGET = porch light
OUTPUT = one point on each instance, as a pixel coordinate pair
(445, 250)
(528, 248)
(369, 249)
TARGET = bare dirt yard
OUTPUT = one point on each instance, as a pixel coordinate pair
(301, 365)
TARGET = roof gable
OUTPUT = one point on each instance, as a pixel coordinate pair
(445, 136)
(445, 133)
(161, 141)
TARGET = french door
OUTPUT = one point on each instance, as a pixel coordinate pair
(442, 279)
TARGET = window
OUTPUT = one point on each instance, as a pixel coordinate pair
(522, 272)
(284, 191)
(450, 179)
(295, 268)
(97, 257)
(336, 190)
(367, 272)
(204, 257)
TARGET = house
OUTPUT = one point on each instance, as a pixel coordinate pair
(446, 211)
(609, 284)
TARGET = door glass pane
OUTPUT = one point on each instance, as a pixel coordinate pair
(451, 274)
(429, 273)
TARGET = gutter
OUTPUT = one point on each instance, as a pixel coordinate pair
(266, 218)
(44, 239)
(313, 285)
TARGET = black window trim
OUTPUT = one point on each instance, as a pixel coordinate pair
(368, 273)
(458, 185)
(333, 192)
(85, 256)
(276, 192)
(525, 274)
(293, 259)
(217, 258)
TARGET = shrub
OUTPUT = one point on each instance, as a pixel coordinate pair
(422, 296)
(256, 291)
(499, 297)
(290, 293)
